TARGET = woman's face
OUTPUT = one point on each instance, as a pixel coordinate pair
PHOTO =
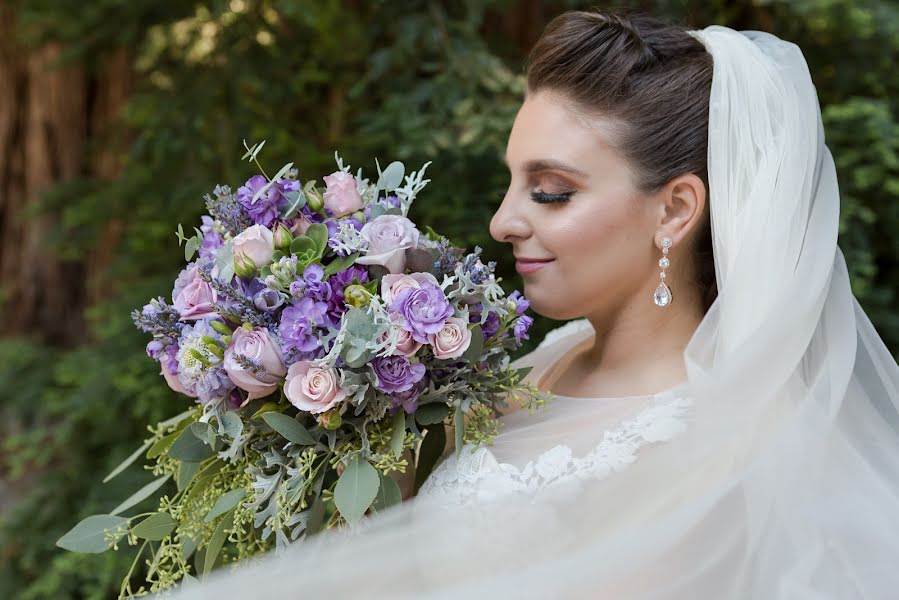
(583, 238)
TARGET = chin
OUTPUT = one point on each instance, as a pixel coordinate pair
(551, 305)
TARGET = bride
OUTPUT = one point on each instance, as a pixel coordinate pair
(726, 419)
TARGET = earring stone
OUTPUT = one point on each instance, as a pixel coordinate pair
(662, 296)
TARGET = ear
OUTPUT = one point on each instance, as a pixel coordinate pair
(681, 204)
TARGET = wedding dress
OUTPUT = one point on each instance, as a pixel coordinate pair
(781, 479)
(533, 452)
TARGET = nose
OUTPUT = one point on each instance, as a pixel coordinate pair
(507, 223)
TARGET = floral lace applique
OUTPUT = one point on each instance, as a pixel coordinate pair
(477, 475)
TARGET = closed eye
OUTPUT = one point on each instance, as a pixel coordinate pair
(542, 197)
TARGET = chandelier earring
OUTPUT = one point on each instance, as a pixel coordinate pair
(662, 296)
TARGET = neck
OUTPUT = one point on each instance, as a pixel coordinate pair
(639, 348)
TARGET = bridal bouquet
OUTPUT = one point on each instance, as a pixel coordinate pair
(326, 340)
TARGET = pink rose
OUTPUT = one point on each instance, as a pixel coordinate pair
(171, 378)
(259, 348)
(300, 224)
(312, 388)
(341, 196)
(392, 285)
(256, 243)
(451, 341)
(194, 300)
(388, 237)
(406, 344)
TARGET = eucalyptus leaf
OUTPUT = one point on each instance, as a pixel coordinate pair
(204, 432)
(268, 407)
(127, 462)
(163, 444)
(216, 542)
(140, 495)
(232, 425)
(431, 414)
(430, 451)
(188, 447)
(155, 527)
(94, 534)
(191, 247)
(398, 433)
(473, 353)
(392, 176)
(340, 263)
(356, 489)
(295, 201)
(226, 502)
(265, 188)
(459, 427)
(289, 428)
(389, 494)
(186, 472)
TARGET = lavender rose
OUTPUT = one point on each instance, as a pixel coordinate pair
(341, 196)
(254, 247)
(451, 341)
(388, 238)
(312, 388)
(396, 373)
(424, 310)
(194, 300)
(253, 362)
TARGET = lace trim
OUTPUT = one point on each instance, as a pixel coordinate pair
(477, 475)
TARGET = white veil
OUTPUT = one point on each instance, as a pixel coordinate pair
(786, 482)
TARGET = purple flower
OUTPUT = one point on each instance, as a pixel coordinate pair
(314, 286)
(338, 282)
(268, 299)
(298, 322)
(155, 349)
(424, 309)
(521, 303)
(267, 206)
(396, 373)
(212, 240)
(520, 329)
(408, 399)
(490, 325)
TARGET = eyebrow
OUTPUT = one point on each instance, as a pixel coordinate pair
(547, 164)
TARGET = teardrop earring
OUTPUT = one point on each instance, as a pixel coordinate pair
(662, 296)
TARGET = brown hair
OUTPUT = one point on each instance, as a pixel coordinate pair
(651, 79)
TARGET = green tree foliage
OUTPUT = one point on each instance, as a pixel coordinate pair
(411, 81)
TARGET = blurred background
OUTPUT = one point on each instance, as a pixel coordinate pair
(117, 116)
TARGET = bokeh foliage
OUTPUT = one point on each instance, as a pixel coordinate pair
(411, 81)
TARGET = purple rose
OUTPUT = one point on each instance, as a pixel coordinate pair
(195, 299)
(388, 237)
(424, 309)
(408, 399)
(253, 362)
(396, 373)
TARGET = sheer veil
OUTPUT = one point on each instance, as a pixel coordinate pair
(785, 483)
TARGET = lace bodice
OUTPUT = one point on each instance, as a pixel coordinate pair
(476, 475)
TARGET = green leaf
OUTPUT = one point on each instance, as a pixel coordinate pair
(216, 542)
(295, 201)
(226, 502)
(356, 489)
(204, 432)
(303, 245)
(140, 495)
(192, 245)
(392, 176)
(389, 493)
(268, 407)
(186, 473)
(94, 534)
(163, 444)
(431, 414)
(432, 447)
(289, 428)
(340, 263)
(473, 353)
(264, 188)
(127, 462)
(188, 447)
(318, 233)
(155, 527)
(398, 433)
(231, 424)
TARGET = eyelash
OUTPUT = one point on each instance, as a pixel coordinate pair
(542, 197)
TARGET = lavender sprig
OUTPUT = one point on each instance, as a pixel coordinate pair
(158, 318)
(227, 210)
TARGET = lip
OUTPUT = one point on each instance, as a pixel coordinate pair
(530, 265)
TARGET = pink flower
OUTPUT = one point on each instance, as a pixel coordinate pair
(171, 378)
(451, 341)
(312, 388)
(388, 237)
(256, 243)
(253, 362)
(392, 285)
(406, 344)
(341, 196)
(194, 300)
